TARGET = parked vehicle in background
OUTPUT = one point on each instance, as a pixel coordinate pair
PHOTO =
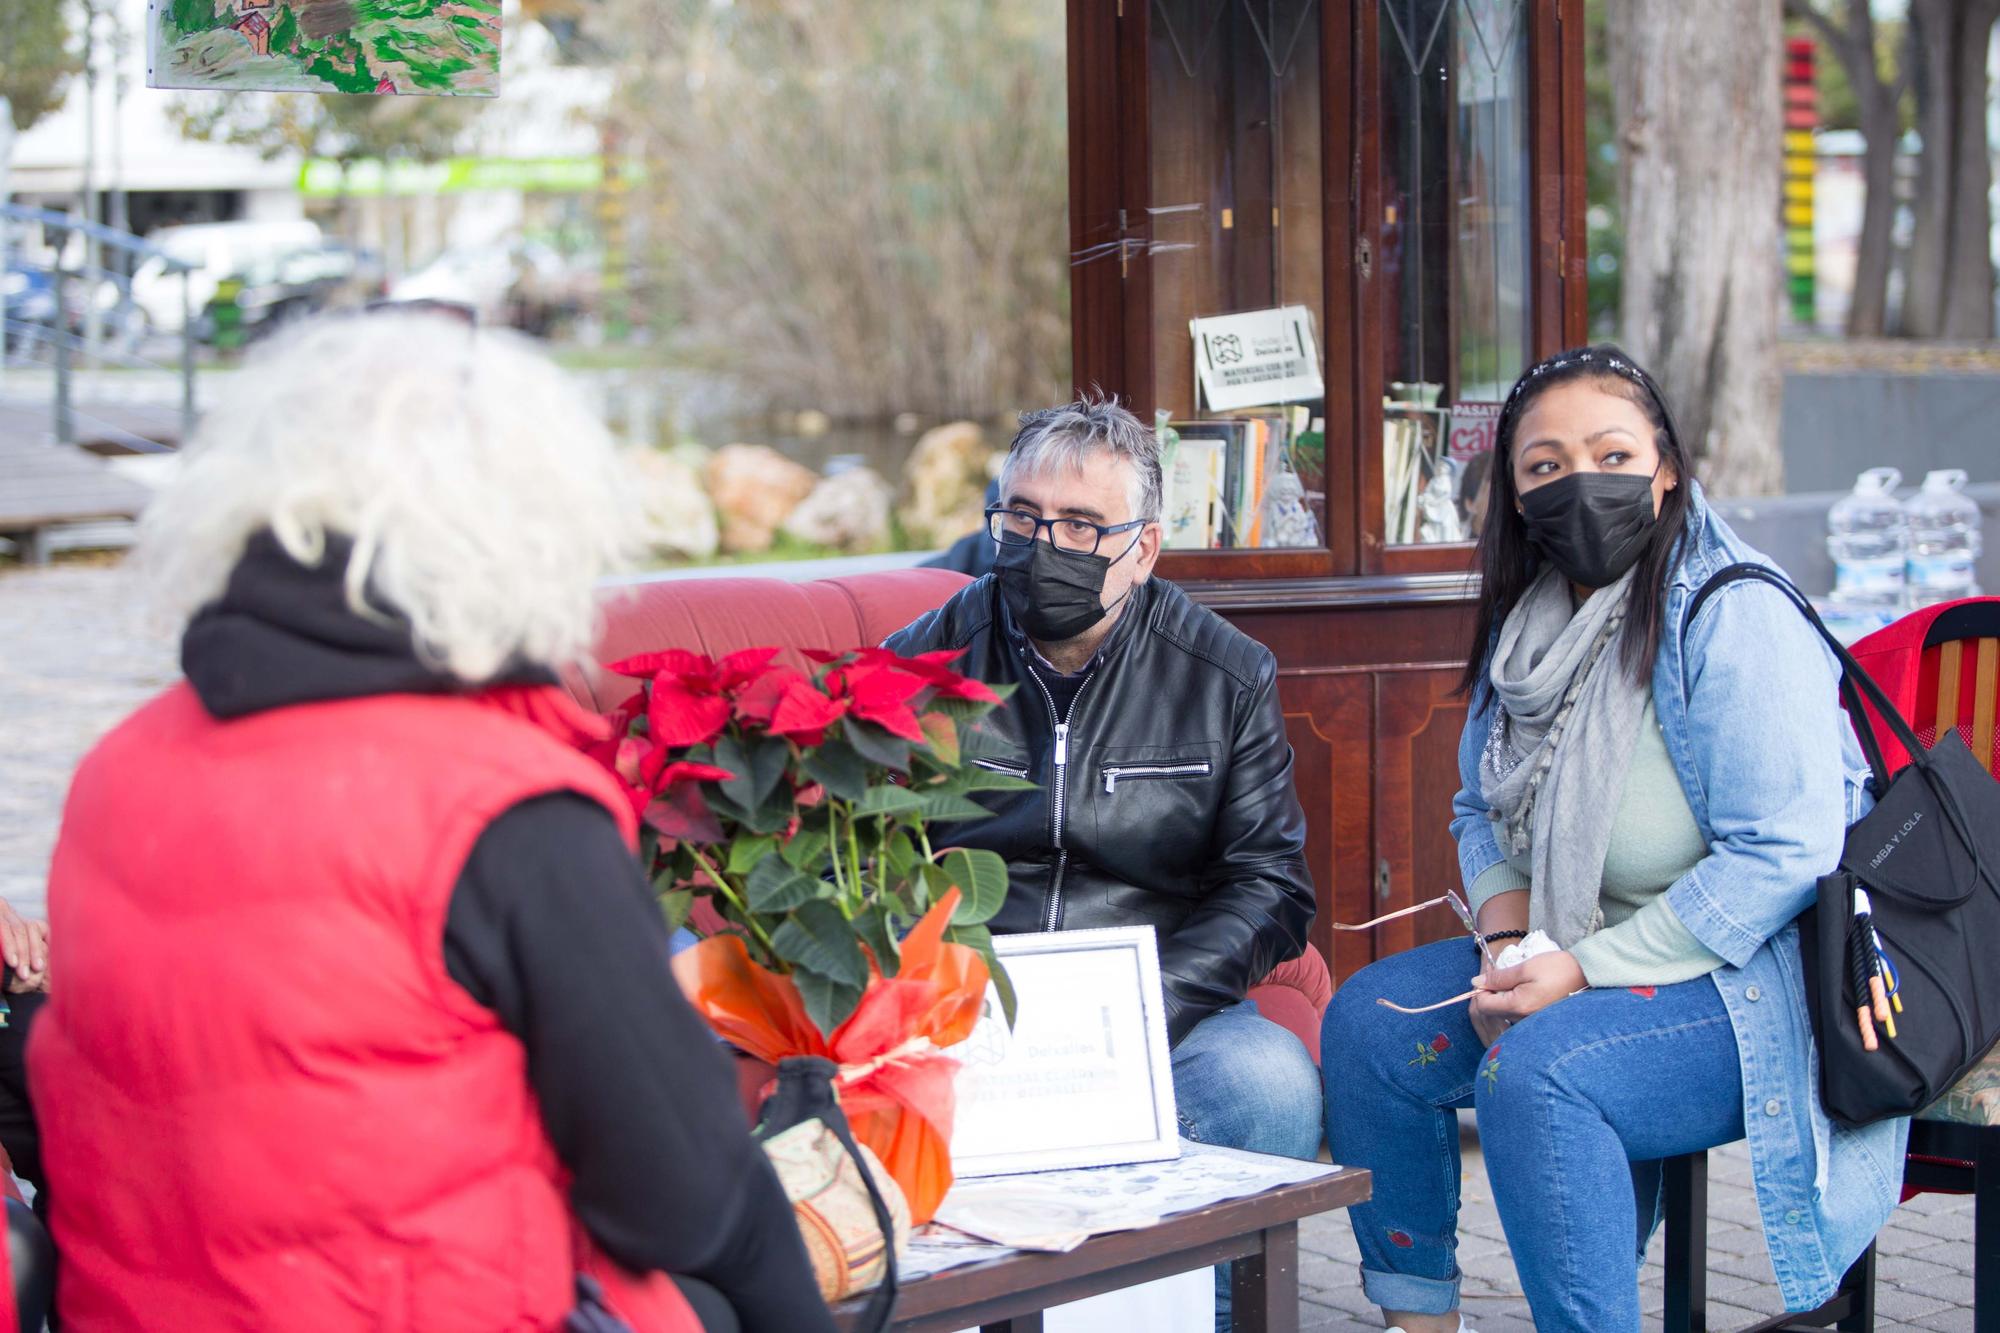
(216, 249)
(31, 305)
(276, 289)
(528, 286)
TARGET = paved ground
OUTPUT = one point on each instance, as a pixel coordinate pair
(76, 653)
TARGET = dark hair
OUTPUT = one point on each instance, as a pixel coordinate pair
(1509, 562)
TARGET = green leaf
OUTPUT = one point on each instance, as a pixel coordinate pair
(900, 854)
(828, 1002)
(876, 745)
(941, 733)
(839, 769)
(879, 934)
(776, 887)
(981, 939)
(774, 814)
(745, 853)
(889, 801)
(967, 709)
(944, 807)
(981, 877)
(818, 938)
(974, 778)
(675, 906)
(807, 849)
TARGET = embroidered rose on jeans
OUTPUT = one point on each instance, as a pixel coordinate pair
(1429, 1051)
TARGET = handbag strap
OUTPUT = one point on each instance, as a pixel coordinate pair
(806, 1092)
(1856, 684)
(882, 1301)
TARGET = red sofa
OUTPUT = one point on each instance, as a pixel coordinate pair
(721, 615)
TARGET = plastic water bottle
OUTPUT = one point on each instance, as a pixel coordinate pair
(1944, 540)
(1867, 535)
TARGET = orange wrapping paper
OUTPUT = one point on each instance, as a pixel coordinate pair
(897, 1092)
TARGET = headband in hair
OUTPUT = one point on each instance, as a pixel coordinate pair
(1610, 363)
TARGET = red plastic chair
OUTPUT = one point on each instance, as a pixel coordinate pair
(1941, 668)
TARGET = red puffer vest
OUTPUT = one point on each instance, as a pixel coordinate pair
(265, 1103)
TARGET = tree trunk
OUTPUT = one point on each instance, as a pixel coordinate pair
(1968, 292)
(1853, 45)
(1698, 105)
(1949, 292)
(1868, 316)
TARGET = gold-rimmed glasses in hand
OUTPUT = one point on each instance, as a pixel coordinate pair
(1463, 911)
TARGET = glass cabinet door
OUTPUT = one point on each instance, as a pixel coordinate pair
(1235, 225)
(1388, 186)
(1455, 252)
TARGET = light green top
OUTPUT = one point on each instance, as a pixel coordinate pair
(1654, 841)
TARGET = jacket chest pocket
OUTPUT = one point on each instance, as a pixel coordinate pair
(1150, 810)
(1110, 775)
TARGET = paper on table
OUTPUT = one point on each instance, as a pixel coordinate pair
(1058, 1210)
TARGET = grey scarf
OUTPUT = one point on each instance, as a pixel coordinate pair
(1560, 743)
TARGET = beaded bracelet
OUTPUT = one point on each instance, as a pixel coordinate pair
(1491, 936)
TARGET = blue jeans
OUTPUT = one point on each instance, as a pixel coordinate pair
(1568, 1100)
(1241, 1081)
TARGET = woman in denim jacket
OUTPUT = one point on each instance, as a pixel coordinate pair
(1659, 800)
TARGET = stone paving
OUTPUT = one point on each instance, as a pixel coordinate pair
(77, 652)
(1923, 1272)
(76, 655)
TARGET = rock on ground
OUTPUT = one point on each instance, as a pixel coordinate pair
(947, 476)
(755, 489)
(848, 512)
(680, 520)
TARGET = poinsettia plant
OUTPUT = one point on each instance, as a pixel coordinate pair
(800, 805)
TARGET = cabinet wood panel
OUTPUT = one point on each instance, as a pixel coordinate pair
(1328, 716)
(1418, 721)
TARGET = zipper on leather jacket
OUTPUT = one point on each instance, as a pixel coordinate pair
(1001, 766)
(1126, 772)
(1053, 915)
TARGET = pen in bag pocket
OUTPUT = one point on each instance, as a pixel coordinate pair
(1860, 972)
(1877, 993)
(1889, 973)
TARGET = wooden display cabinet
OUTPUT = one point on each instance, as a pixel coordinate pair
(1412, 172)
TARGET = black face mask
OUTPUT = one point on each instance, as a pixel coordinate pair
(1593, 526)
(1054, 595)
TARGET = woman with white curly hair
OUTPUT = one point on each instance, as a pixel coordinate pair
(366, 1019)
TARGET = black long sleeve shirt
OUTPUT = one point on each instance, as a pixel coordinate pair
(552, 926)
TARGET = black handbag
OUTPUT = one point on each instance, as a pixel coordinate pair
(1927, 855)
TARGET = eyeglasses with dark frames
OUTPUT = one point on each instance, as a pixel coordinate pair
(1018, 527)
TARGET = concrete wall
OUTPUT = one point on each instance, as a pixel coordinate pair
(1836, 425)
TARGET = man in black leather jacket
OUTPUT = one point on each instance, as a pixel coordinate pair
(1153, 728)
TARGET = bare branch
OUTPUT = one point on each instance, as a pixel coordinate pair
(1839, 40)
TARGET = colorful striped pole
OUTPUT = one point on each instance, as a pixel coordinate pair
(1801, 119)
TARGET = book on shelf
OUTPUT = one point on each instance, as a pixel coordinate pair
(1199, 489)
(1218, 473)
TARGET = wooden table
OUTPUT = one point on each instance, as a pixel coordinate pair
(1260, 1233)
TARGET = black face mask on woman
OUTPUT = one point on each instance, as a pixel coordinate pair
(1053, 594)
(1593, 526)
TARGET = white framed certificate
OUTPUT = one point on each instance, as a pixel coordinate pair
(1083, 1078)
